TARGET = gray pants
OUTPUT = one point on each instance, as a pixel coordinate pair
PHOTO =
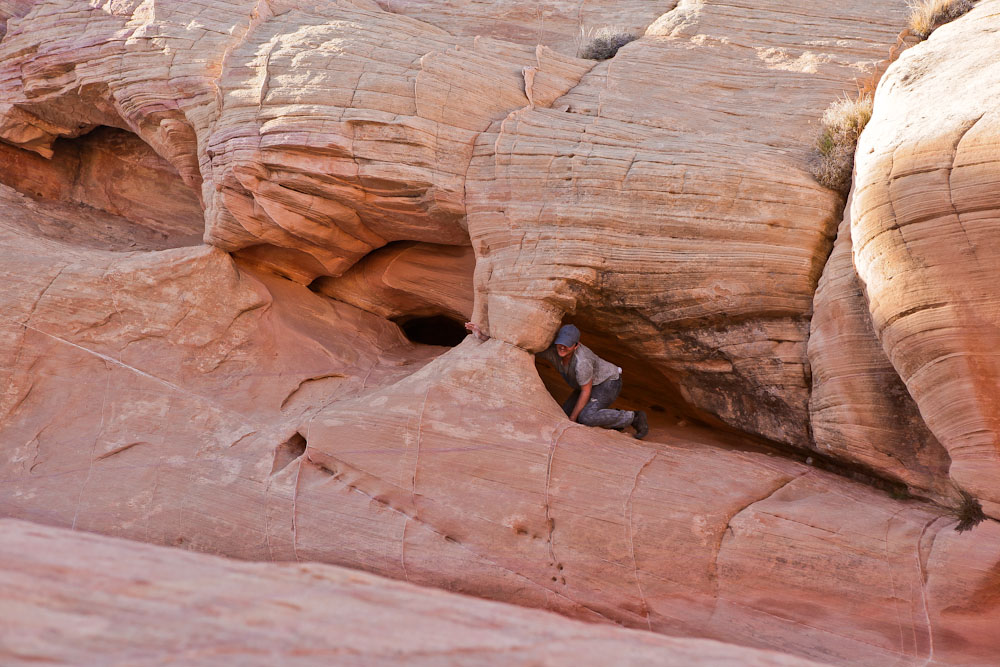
(596, 412)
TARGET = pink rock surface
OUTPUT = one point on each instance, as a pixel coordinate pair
(318, 133)
(644, 202)
(204, 396)
(926, 239)
(671, 535)
(111, 170)
(408, 280)
(564, 25)
(73, 598)
(859, 408)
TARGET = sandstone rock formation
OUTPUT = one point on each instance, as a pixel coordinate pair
(646, 203)
(408, 280)
(73, 598)
(561, 25)
(925, 233)
(859, 408)
(313, 173)
(355, 167)
(111, 170)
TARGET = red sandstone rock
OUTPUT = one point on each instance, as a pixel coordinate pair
(73, 598)
(645, 202)
(322, 132)
(111, 170)
(926, 239)
(183, 397)
(859, 408)
(411, 279)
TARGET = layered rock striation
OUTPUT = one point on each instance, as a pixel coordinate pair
(924, 230)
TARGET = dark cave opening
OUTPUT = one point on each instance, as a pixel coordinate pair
(433, 330)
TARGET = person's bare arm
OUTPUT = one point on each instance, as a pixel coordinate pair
(582, 401)
(474, 329)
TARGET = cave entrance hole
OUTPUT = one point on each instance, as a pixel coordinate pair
(426, 289)
(440, 330)
(645, 385)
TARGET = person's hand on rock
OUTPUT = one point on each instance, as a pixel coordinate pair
(474, 329)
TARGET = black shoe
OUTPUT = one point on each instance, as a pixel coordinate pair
(640, 425)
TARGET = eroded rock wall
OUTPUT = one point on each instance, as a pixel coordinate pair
(925, 237)
(321, 132)
(649, 194)
(860, 410)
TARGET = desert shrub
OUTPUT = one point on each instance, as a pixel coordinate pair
(605, 42)
(833, 156)
(926, 15)
(968, 512)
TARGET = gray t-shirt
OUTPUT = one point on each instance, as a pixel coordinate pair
(583, 368)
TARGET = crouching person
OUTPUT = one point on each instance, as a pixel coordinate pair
(596, 383)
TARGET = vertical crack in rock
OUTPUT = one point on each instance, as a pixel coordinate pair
(152, 502)
(892, 580)
(714, 569)
(256, 19)
(265, 84)
(951, 170)
(416, 458)
(402, 550)
(923, 555)
(285, 454)
(549, 522)
(37, 442)
(295, 509)
(627, 512)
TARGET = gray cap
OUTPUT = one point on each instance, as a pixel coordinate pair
(568, 335)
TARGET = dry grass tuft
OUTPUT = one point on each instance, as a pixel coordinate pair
(968, 512)
(605, 42)
(926, 15)
(833, 157)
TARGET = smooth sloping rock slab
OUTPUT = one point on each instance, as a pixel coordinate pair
(75, 598)
(153, 395)
(465, 475)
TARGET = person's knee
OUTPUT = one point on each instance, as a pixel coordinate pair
(589, 417)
